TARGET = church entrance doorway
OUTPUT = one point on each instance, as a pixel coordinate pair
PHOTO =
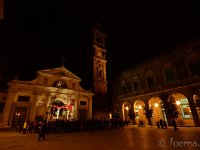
(19, 116)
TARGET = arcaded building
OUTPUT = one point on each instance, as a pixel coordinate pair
(173, 74)
(54, 94)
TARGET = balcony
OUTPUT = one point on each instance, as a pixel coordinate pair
(179, 83)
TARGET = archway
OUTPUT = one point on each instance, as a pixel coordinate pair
(125, 111)
(57, 108)
(185, 117)
(139, 111)
(156, 104)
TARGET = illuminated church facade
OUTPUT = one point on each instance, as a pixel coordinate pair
(54, 94)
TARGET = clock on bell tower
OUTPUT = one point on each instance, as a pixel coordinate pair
(99, 70)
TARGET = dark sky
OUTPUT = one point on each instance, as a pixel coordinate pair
(36, 34)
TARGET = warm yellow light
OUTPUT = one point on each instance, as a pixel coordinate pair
(140, 107)
(156, 104)
(127, 108)
(110, 115)
(178, 102)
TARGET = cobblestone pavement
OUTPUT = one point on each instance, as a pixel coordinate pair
(131, 138)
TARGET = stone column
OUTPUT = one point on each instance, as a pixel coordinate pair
(47, 103)
(194, 111)
(8, 109)
(34, 108)
(90, 108)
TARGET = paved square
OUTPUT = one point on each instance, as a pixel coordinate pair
(131, 138)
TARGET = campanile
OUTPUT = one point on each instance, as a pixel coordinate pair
(100, 103)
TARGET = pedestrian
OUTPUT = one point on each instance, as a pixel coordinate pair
(158, 124)
(165, 124)
(24, 127)
(42, 130)
(161, 124)
(174, 124)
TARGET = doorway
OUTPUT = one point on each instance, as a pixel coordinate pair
(19, 116)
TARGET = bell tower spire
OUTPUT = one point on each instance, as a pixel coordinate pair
(99, 71)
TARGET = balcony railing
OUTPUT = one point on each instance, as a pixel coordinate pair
(178, 83)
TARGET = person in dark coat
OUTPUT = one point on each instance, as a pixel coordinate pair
(174, 124)
(42, 130)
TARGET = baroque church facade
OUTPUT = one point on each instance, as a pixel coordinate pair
(57, 94)
(54, 94)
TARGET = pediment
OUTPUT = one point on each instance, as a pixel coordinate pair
(61, 71)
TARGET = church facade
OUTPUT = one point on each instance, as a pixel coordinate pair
(54, 94)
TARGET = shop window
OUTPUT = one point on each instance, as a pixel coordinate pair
(185, 109)
(23, 99)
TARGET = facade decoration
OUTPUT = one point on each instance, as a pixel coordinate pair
(54, 94)
(168, 84)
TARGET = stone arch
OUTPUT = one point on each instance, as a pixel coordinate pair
(156, 104)
(185, 117)
(139, 111)
(125, 111)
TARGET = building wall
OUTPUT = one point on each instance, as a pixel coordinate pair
(52, 92)
(177, 70)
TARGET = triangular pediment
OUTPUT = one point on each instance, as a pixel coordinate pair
(61, 71)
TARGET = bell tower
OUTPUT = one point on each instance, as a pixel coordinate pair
(99, 72)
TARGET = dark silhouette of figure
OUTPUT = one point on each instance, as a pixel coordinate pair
(141, 124)
(165, 124)
(174, 124)
(42, 130)
(158, 124)
(161, 124)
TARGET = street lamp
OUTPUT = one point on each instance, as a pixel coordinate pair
(156, 104)
(178, 103)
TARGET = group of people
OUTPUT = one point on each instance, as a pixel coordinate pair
(43, 128)
(162, 124)
(27, 127)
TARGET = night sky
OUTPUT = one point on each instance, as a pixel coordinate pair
(35, 35)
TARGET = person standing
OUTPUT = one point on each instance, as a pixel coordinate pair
(24, 127)
(174, 124)
(42, 130)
